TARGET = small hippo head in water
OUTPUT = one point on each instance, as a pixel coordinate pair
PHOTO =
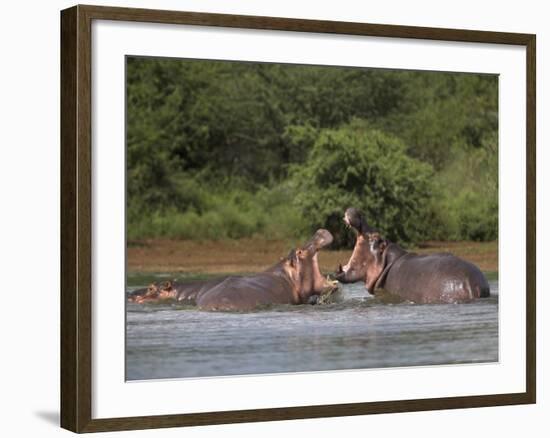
(154, 292)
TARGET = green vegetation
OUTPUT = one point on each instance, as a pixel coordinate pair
(231, 149)
(357, 166)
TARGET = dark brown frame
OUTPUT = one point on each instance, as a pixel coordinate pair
(76, 173)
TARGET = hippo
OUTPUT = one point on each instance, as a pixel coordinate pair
(296, 279)
(385, 266)
(184, 292)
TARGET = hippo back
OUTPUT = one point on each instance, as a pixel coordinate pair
(247, 293)
(435, 278)
(190, 292)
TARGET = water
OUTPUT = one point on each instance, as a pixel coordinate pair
(170, 341)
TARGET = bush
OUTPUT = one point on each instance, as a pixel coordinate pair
(201, 211)
(365, 168)
(465, 206)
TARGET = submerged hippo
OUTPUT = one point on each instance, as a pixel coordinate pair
(296, 279)
(431, 278)
(185, 292)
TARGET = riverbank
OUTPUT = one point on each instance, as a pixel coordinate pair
(254, 255)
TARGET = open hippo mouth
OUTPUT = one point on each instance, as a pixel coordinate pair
(347, 219)
(353, 218)
(354, 270)
(320, 239)
(342, 273)
(313, 286)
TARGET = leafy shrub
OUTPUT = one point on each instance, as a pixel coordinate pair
(465, 206)
(206, 212)
(365, 168)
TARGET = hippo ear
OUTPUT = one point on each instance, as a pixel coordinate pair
(386, 260)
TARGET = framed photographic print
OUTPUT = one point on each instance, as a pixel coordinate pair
(271, 218)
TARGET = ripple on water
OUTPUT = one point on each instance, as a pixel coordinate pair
(166, 341)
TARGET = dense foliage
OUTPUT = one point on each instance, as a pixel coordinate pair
(367, 169)
(234, 149)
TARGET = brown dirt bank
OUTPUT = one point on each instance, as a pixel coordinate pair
(253, 255)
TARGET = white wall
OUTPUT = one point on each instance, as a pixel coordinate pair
(29, 214)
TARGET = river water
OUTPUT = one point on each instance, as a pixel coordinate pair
(360, 331)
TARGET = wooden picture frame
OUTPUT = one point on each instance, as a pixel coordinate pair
(76, 218)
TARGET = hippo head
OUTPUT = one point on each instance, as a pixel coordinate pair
(154, 292)
(367, 261)
(145, 294)
(355, 269)
(302, 266)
